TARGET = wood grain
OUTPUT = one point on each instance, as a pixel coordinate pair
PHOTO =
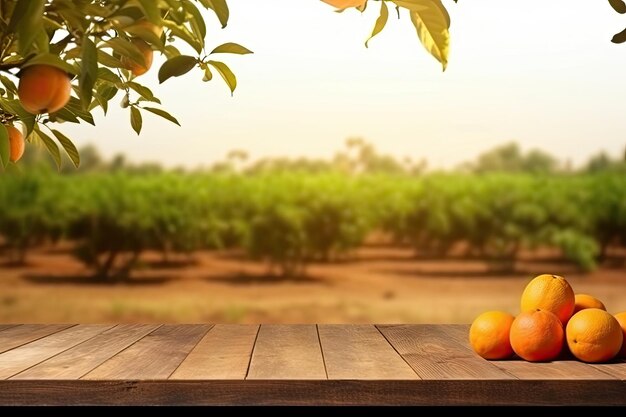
(563, 368)
(433, 355)
(7, 326)
(360, 352)
(77, 361)
(616, 369)
(132, 365)
(314, 392)
(223, 353)
(23, 357)
(284, 351)
(155, 356)
(25, 333)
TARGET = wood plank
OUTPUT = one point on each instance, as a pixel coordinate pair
(223, 353)
(7, 326)
(314, 392)
(360, 352)
(563, 368)
(25, 333)
(433, 355)
(284, 351)
(285, 366)
(615, 369)
(23, 357)
(155, 356)
(77, 361)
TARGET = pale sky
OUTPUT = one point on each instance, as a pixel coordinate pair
(542, 73)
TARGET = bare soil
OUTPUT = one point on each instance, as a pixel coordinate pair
(377, 284)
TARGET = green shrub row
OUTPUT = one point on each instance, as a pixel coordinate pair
(289, 219)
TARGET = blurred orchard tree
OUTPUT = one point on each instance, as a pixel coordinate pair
(69, 57)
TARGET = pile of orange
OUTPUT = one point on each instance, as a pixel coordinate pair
(552, 319)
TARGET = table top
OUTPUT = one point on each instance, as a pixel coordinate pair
(324, 364)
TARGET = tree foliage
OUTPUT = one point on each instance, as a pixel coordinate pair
(289, 218)
(101, 45)
(510, 158)
(430, 19)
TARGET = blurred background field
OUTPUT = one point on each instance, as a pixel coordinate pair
(360, 237)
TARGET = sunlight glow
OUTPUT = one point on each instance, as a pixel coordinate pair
(544, 74)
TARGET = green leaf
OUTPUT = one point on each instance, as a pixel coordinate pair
(413, 5)
(108, 92)
(143, 91)
(127, 15)
(618, 5)
(176, 66)
(380, 22)
(64, 115)
(150, 7)
(105, 93)
(50, 24)
(619, 37)
(163, 114)
(226, 73)
(197, 21)
(71, 53)
(108, 75)
(444, 11)
(69, 147)
(127, 49)
(171, 51)
(146, 34)
(41, 41)
(135, 119)
(76, 108)
(5, 146)
(125, 101)
(208, 75)
(99, 101)
(183, 33)
(15, 107)
(432, 29)
(24, 11)
(88, 71)
(231, 48)
(109, 60)
(8, 84)
(52, 147)
(221, 10)
(423, 5)
(27, 21)
(51, 60)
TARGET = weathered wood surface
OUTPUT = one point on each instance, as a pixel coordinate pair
(283, 365)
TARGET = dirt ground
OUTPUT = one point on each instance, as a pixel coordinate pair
(380, 285)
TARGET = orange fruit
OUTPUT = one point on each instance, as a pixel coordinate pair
(537, 335)
(621, 319)
(489, 335)
(157, 30)
(549, 292)
(16, 143)
(593, 335)
(342, 4)
(43, 89)
(135, 67)
(583, 301)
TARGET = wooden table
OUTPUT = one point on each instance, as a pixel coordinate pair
(322, 364)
